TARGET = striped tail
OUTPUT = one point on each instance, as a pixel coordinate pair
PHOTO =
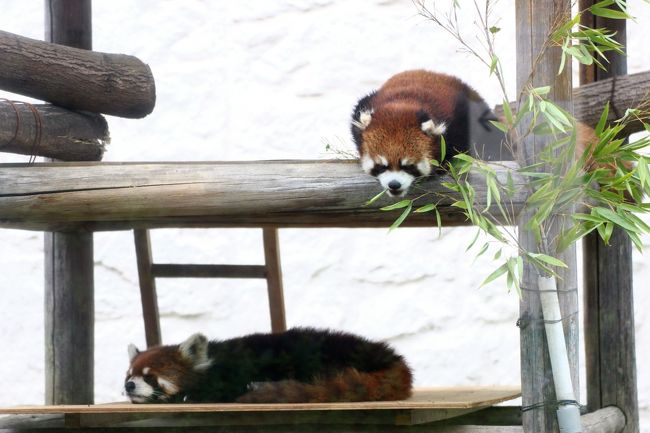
(393, 383)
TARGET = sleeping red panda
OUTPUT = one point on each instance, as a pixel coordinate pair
(397, 128)
(302, 365)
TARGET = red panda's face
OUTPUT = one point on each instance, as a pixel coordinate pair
(164, 373)
(398, 147)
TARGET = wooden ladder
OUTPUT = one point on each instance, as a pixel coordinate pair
(149, 271)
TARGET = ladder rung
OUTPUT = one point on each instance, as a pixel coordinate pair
(207, 271)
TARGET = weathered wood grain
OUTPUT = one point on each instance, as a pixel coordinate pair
(608, 299)
(69, 266)
(51, 131)
(273, 273)
(74, 78)
(147, 282)
(537, 65)
(245, 194)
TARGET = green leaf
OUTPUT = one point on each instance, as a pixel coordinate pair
(401, 218)
(483, 249)
(495, 30)
(496, 274)
(426, 208)
(617, 219)
(438, 222)
(502, 127)
(443, 148)
(601, 122)
(493, 64)
(375, 198)
(609, 13)
(398, 205)
(547, 259)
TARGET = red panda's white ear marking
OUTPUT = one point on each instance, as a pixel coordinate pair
(367, 163)
(431, 128)
(365, 117)
(424, 167)
(133, 351)
(195, 349)
(146, 370)
(168, 386)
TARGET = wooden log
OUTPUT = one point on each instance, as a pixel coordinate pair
(78, 79)
(228, 194)
(535, 20)
(607, 420)
(51, 131)
(626, 91)
(609, 308)
(69, 266)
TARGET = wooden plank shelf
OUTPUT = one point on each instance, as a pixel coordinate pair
(426, 405)
(113, 196)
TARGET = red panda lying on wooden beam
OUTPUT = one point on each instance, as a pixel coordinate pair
(302, 365)
(397, 128)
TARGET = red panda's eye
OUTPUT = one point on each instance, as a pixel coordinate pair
(378, 169)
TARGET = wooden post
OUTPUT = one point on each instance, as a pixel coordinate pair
(69, 285)
(535, 20)
(609, 306)
(274, 279)
(148, 297)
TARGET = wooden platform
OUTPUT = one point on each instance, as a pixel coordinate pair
(426, 405)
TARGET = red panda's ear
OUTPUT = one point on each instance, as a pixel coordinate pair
(133, 351)
(431, 128)
(365, 116)
(195, 350)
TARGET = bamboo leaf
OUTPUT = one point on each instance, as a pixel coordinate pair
(547, 259)
(496, 274)
(401, 218)
(375, 198)
(398, 205)
(426, 208)
(443, 148)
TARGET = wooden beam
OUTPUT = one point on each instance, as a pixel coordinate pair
(228, 194)
(608, 299)
(622, 92)
(52, 132)
(74, 78)
(537, 65)
(608, 420)
(69, 278)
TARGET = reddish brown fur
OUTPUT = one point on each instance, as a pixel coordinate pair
(350, 385)
(402, 130)
(163, 361)
(399, 107)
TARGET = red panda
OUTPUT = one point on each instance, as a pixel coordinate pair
(397, 128)
(301, 365)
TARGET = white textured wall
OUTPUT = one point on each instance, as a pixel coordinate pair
(277, 79)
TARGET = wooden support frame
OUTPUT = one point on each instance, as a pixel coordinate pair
(69, 280)
(609, 307)
(537, 65)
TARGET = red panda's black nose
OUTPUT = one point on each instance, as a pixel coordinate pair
(129, 386)
(394, 185)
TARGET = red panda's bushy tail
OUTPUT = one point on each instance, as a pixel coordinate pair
(393, 383)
